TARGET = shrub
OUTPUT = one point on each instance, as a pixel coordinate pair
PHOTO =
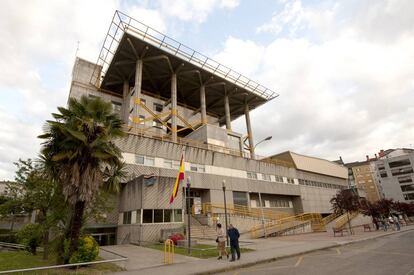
(176, 237)
(30, 235)
(88, 250)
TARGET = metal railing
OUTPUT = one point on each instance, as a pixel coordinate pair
(241, 210)
(122, 23)
(343, 219)
(330, 218)
(197, 144)
(315, 220)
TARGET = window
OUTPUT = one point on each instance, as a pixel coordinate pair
(279, 178)
(127, 217)
(156, 124)
(252, 175)
(197, 168)
(240, 198)
(290, 180)
(409, 196)
(399, 163)
(141, 119)
(266, 177)
(178, 217)
(147, 216)
(407, 188)
(158, 107)
(158, 216)
(402, 171)
(383, 174)
(149, 161)
(139, 159)
(168, 215)
(168, 163)
(405, 179)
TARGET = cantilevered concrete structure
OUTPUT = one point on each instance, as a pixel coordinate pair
(176, 101)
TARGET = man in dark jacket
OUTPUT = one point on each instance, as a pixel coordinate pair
(234, 235)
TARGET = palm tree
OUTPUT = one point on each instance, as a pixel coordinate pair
(80, 150)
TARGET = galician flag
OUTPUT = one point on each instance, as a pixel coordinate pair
(179, 178)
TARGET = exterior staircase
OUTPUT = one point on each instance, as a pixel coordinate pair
(203, 232)
(308, 222)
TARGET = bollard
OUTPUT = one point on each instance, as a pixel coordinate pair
(168, 249)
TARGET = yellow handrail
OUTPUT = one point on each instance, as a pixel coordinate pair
(314, 218)
(343, 219)
(268, 214)
(330, 218)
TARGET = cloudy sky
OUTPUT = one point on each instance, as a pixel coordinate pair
(344, 69)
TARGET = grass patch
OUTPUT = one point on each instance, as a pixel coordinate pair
(202, 251)
(22, 259)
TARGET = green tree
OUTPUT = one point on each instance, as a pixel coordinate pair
(82, 156)
(345, 201)
(30, 235)
(34, 190)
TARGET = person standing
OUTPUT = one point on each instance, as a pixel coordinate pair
(234, 236)
(221, 242)
(396, 222)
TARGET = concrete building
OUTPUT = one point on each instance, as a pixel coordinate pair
(394, 172)
(361, 175)
(176, 101)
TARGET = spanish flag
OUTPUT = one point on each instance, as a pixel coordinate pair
(179, 178)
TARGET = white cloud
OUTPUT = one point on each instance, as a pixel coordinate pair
(343, 95)
(194, 10)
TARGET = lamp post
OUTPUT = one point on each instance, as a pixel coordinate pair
(225, 208)
(268, 138)
(188, 215)
(261, 210)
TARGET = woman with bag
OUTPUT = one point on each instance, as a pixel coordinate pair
(221, 242)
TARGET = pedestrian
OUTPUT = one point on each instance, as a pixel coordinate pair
(384, 224)
(397, 223)
(391, 221)
(234, 236)
(375, 221)
(221, 242)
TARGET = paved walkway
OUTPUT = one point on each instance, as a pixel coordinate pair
(148, 261)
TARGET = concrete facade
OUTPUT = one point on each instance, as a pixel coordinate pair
(394, 172)
(172, 107)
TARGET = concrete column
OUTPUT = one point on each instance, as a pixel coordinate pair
(138, 84)
(203, 104)
(125, 102)
(227, 111)
(249, 131)
(174, 107)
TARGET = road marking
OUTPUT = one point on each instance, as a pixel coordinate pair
(299, 261)
(338, 251)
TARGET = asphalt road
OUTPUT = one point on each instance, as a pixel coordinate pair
(388, 255)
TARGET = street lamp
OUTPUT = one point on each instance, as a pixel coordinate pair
(225, 209)
(188, 214)
(268, 138)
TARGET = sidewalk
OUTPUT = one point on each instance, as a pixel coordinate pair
(266, 250)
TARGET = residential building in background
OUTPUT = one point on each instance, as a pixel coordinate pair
(394, 173)
(361, 175)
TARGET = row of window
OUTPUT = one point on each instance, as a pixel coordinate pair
(272, 203)
(407, 188)
(320, 184)
(267, 177)
(153, 216)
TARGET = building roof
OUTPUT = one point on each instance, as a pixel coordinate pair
(313, 164)
(128, 39)
(356, 164)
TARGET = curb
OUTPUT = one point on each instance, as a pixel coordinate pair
(272, 259)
